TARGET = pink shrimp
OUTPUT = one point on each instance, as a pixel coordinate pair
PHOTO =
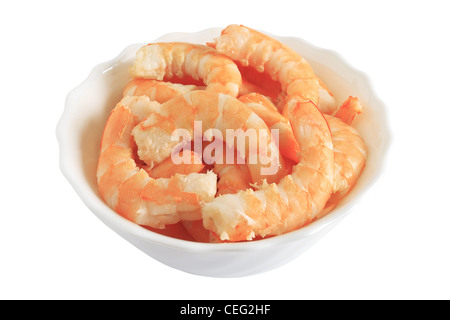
(164, 61)
(265, 54)
(129, 190)
(292, 203)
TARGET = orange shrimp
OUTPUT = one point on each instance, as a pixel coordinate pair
(164, 61)
(129, 190)
(292, 203)
(265, 54)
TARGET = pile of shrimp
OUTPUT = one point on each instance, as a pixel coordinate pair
(242, 80)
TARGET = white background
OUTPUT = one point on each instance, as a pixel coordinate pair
(395, 246)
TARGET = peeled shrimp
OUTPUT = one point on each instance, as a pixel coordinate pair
(265, 54)
(292, 203)
(129, 190)
(177, 60)
(158, 91)
(215, 112)
(267, 111)
(232, 177)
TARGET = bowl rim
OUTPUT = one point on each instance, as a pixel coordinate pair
(122, 225)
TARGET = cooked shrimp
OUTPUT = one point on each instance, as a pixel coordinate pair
(265, 54)
(267, 111)
(164, 61)
(348, 110)
(292, 203)
(159, 91)
(350, 153)
(214, 111)
(129, 190)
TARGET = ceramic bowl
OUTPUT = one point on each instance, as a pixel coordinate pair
(80, 129)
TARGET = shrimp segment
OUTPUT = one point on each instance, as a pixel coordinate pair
(164, 61)
(158, 91)
(349, 109)
(267, 111)
(129, 190)
(292, 203)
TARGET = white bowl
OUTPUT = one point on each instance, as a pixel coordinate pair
(81, 125)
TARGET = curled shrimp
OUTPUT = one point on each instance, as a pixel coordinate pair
(292, 203)
(128, 189)
(265, 54)
(164, 61)
(299, 197)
